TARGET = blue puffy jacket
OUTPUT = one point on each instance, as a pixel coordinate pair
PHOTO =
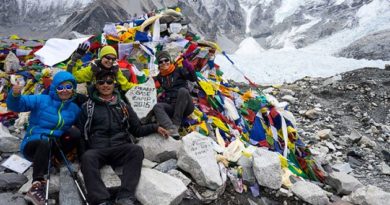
(49, 115)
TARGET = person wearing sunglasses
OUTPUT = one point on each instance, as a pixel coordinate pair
(175, 101)
(108, 124)
(52, 115)
(106, 61)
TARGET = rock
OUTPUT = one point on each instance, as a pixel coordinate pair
(324, 134)
(311, 114)
(342, 182)
(167, 165)
(247, 169)
(179, 175)
(341, 202)
(369, 195)
(159, 149)
(9, 144)
(148, 164)
(156, 187)
(267, 168)
(310, 193)
(284, 91)
(109, 177)
(9, 181)
(68, 193)
(12, 199)
(289, 99)
(342, 167)
(367, 142)
(355, 136)
(330, 146)
(196, 156)
(385, 169)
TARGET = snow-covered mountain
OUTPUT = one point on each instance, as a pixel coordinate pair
(270, 40)
(36, 18)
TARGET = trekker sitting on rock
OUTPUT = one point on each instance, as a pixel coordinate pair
(51, 115)
(175, 101)
(107, 123)
(106, 61)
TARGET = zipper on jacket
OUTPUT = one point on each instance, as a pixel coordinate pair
(59, 119)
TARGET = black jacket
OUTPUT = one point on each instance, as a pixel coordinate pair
(108, 128)
(173, 82)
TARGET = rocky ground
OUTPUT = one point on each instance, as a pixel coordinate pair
(353, 109)
(345, 120)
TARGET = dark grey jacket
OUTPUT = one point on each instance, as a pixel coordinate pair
(108, 128)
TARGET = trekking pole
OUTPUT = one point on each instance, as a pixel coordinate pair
(48, 173)
(72, 173)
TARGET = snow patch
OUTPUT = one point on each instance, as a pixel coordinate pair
(287, 9)
(278, 66)
(249, 46)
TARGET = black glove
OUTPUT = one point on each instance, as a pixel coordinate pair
(82, 49)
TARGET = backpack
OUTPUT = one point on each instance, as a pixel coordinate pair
(90, 104)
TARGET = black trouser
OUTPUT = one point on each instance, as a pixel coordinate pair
(183, 107)
(128, 155)
(37, 151)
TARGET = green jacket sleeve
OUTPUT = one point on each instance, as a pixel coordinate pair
(82, 74)
(122, 80)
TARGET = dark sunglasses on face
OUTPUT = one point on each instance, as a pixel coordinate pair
(163, 61)
(65, 87)
(108, 81)
(110, 58)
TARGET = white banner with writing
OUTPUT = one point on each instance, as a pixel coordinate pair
(143, 97)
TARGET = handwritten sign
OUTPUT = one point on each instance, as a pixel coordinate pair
(201, 148)
(142, 98)
(17, 164)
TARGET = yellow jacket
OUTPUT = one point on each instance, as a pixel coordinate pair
(85, 74)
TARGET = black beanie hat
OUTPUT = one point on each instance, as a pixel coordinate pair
(163, 54)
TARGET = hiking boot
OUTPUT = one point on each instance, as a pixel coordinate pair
(36, 194)
(124, 201)
(174, 132)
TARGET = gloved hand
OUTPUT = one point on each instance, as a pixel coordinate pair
(82, 49)
(187, 64)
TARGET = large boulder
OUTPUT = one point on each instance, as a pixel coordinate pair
(310, 193)
(159, 149)
(9, 144)
(9, 181)
(267, 168)
(196, 156)
(12, 199)
(156, 187)
(342, 182)
(369, 195)
(68, 191)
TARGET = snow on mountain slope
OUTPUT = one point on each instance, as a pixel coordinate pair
(276, 66)
(373, 17)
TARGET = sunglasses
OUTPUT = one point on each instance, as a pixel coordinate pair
(110, 58)
(163, 61)
(108, 81)
(64, 87)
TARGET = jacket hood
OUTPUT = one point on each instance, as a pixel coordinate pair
(59, 78)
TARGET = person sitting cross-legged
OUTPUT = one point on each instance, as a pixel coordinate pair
(175, 101)
(108, 124)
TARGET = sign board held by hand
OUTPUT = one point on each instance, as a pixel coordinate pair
(142, 98)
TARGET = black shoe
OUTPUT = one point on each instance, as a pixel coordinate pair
(174, 132)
